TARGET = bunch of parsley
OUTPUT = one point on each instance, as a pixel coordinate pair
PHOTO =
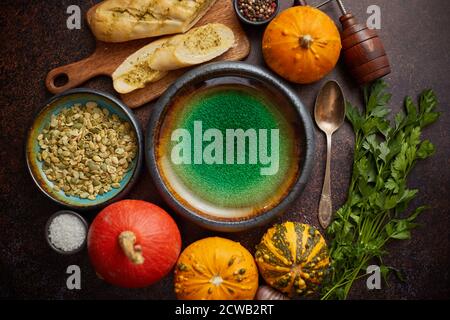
(378, 195)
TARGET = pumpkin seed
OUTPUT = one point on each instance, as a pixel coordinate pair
(120, 151)
(93, 167)
(182, 267)
(84, 195)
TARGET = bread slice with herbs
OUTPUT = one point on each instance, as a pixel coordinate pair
(152, 62)
(196, 46)
(135, 72)
(124, 20)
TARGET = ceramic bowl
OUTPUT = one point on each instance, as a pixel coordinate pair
(54, 106)
(255, 23)
(240, 72)
(47, 231)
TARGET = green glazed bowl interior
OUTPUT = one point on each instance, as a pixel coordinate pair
(55, 106)
(241, 73)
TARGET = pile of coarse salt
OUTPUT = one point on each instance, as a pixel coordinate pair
(67, 232)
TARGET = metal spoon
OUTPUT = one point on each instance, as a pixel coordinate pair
(329, 113)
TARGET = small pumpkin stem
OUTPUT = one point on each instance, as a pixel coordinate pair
(306, 41)
(127, 240)
(216, 280)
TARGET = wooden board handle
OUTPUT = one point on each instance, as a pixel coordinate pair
(105, 59)
(75, 73)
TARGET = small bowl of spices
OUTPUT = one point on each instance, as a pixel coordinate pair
(84, 149)
(66, 232)
(256, 12)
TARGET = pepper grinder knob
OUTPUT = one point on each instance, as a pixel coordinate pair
(300, 3)
(363, 51)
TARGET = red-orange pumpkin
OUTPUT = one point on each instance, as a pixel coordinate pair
(133, 243)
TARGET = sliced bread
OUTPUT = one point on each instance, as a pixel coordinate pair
(135, 72)
(198, 45)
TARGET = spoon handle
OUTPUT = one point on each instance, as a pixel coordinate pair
(325, 206)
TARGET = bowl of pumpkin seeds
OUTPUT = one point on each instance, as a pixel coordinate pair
(84, 149)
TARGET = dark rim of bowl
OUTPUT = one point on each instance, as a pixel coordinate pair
(256, 23)
(47, 231)
(139, 136)
(229, 69)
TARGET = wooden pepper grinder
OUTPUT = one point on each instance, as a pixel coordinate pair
(362, 49)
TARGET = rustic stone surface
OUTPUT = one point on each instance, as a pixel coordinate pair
(34, 39)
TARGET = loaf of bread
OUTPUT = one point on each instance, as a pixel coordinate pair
(124, 20)
(152, 62)
(194, 47)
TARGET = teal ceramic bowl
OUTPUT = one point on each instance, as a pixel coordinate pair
(54, 106)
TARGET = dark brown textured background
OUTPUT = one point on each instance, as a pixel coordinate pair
(34, 39)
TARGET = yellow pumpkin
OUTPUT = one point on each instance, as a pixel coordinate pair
(216, 269)
(293, 258)
(302, 44)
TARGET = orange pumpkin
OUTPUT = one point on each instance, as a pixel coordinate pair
(216, 269)
(302, 44)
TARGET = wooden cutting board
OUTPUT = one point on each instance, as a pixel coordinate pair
(108, 56)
